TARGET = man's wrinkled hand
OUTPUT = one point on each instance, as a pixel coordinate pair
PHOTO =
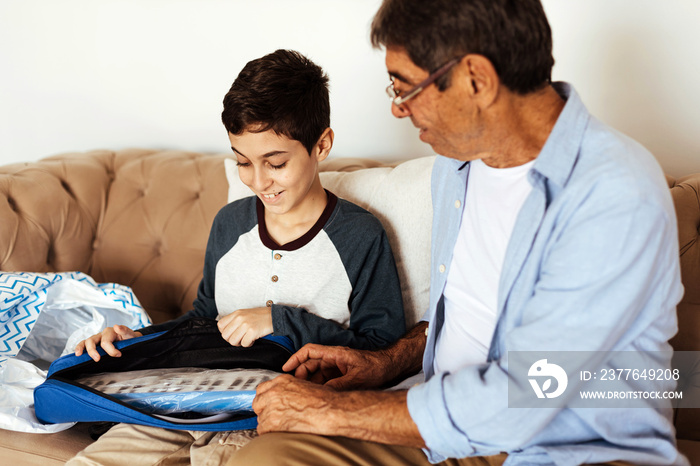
(288, 404)
(244, 326)
(338, 367)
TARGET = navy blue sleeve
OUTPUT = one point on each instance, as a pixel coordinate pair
(223, 235)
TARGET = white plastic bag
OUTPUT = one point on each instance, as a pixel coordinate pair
(42, 317)
(17, 398)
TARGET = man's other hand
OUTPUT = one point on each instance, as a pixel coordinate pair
(339, 367)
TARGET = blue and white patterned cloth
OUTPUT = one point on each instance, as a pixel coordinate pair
(23, 296)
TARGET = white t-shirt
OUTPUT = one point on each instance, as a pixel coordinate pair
(493, 200)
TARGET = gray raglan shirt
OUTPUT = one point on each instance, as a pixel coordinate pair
(335, 285)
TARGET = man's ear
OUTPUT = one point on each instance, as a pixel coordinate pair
(483, 81)
(324, 145)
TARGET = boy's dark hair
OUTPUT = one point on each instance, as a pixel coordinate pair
(283, 91)
(513, 34)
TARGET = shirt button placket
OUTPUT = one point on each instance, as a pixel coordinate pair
(274, 278)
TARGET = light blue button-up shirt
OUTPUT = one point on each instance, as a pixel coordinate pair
(592, 265)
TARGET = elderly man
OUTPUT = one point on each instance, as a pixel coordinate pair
(551, 232)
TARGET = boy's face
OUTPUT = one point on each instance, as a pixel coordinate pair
(279, 170)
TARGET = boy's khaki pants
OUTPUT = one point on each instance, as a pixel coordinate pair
(133, 445)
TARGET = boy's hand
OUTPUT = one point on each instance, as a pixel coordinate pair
(105, 339)
(244, 326)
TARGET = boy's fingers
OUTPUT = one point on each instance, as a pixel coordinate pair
(92, 350)
(224, 321)
(248, 340)
(236, 335)
(122, 330)
(79, 348)
(227, 331)
(108, 345)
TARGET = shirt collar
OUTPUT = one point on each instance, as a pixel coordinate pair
(558, 157)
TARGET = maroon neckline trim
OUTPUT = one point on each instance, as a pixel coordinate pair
(304, 239)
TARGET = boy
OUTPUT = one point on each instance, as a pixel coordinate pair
(292, 260)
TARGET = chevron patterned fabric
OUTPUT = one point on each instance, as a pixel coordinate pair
(23, 295)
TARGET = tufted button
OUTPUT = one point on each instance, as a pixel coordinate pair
(13, 205)
(67, 188)
(158, 248)
(278, 256)
(275, 278)
(269, 303)
(442, 268)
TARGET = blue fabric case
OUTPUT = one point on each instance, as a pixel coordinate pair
(194, 343)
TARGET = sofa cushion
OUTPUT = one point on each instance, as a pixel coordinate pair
(399, 196)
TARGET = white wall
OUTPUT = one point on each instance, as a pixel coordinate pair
(87, 74)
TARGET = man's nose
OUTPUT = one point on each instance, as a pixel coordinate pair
(400, 111)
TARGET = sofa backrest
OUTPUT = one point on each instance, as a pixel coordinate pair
(136, 217)
(142, 218)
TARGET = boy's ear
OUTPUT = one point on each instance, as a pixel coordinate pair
(324, 145)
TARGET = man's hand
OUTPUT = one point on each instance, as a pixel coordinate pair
(291, 405)
(339, 367)
(244, 326)
(344, 368)
(105, 339)
(288, 404)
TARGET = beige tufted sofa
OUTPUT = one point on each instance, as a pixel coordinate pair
(142, 217)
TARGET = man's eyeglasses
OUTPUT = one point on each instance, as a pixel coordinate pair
(399, 99)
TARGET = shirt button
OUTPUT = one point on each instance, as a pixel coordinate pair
(269, 303)
(278, 256)
(442, 268)
(274, 278)
(458, 203)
